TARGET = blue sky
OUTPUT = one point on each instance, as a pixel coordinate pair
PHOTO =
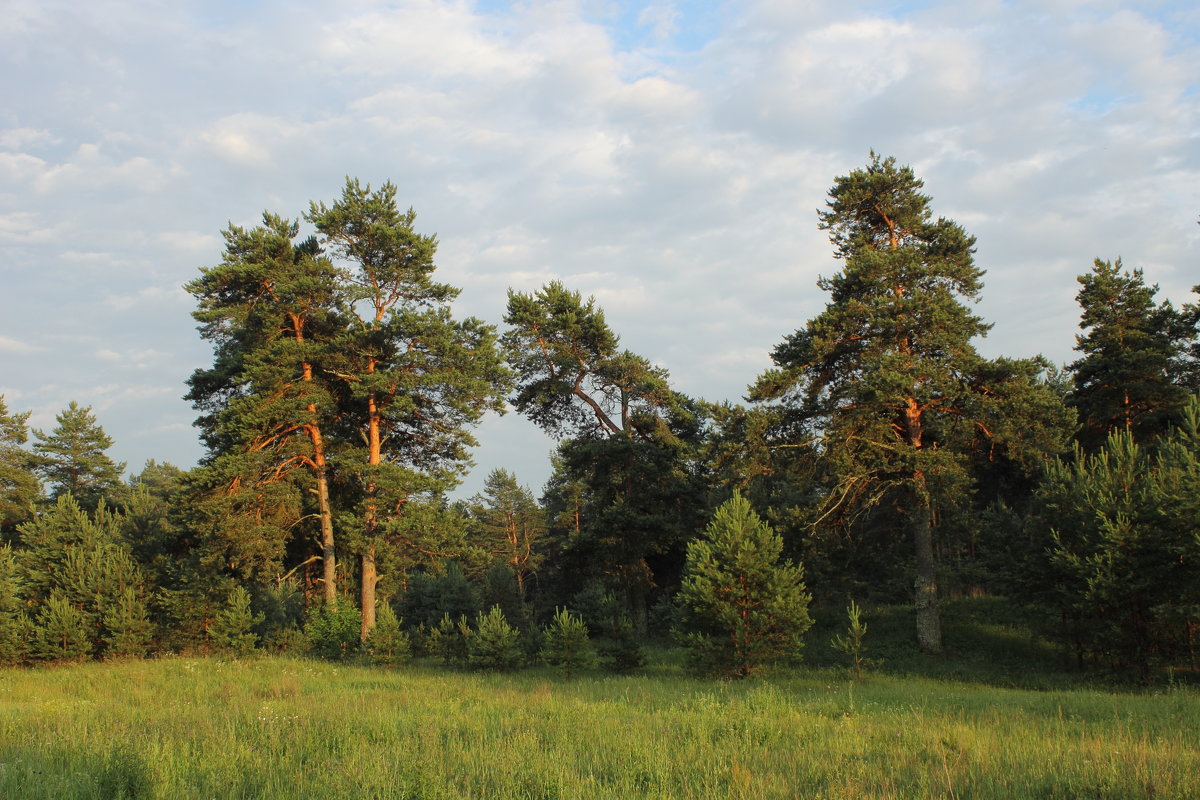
(666, 157)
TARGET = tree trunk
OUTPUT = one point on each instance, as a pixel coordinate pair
(328, 555)
(370, 519)
(929, 624)
(369, 580)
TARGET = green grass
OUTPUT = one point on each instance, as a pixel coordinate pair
(290, 728)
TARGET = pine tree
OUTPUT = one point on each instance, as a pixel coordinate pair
(885, 385)
(1128, 375)
(62, 632)
(128, 630)
(413, 380)
(388, 643)
(494, 644)
(19, 487)
(271, 310)
(14, 625)
(1120, 557)
(72, 458)
(629, 444)
(567, 644)
(509, 524)
(741, 607)
(232, 631)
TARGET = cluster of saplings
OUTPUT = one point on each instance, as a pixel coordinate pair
(881, 451)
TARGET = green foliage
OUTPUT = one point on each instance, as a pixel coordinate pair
(333, 630)
(509, 525)
(852, 643)
(449, 641)
(494, 644)
(1127, 375)
(617, 642)
(62, 632)
(630, 462)
(14, 625)
(430, 598)
(741, 607)
(72, 459)
(232, 632)
(388, 643)
(83, 559)
(128, 630)
(1120, 549)
(19, 486)
(566, 643)
(885, 385)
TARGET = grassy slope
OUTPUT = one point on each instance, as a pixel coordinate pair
(284, 728)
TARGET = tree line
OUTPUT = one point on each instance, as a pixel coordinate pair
(881, 452)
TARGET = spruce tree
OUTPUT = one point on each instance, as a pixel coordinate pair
(740, 605)
(73, 461)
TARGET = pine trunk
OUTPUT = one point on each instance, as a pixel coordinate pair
(929, 624)
(369, 580)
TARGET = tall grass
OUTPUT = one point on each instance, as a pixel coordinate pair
(287, 728)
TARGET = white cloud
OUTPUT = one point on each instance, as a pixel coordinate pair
(25, 227)
(18, 347)
(17, 138)
(680, 187)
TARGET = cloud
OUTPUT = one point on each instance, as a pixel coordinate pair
(18, 347)
(667, 157)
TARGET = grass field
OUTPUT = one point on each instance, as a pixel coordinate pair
(293, 728)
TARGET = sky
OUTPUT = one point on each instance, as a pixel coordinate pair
(668, 158)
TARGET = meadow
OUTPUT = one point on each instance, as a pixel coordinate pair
(274, 727)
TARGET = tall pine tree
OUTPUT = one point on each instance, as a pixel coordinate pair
(271, 310)
(885, 383)
(413, 379)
